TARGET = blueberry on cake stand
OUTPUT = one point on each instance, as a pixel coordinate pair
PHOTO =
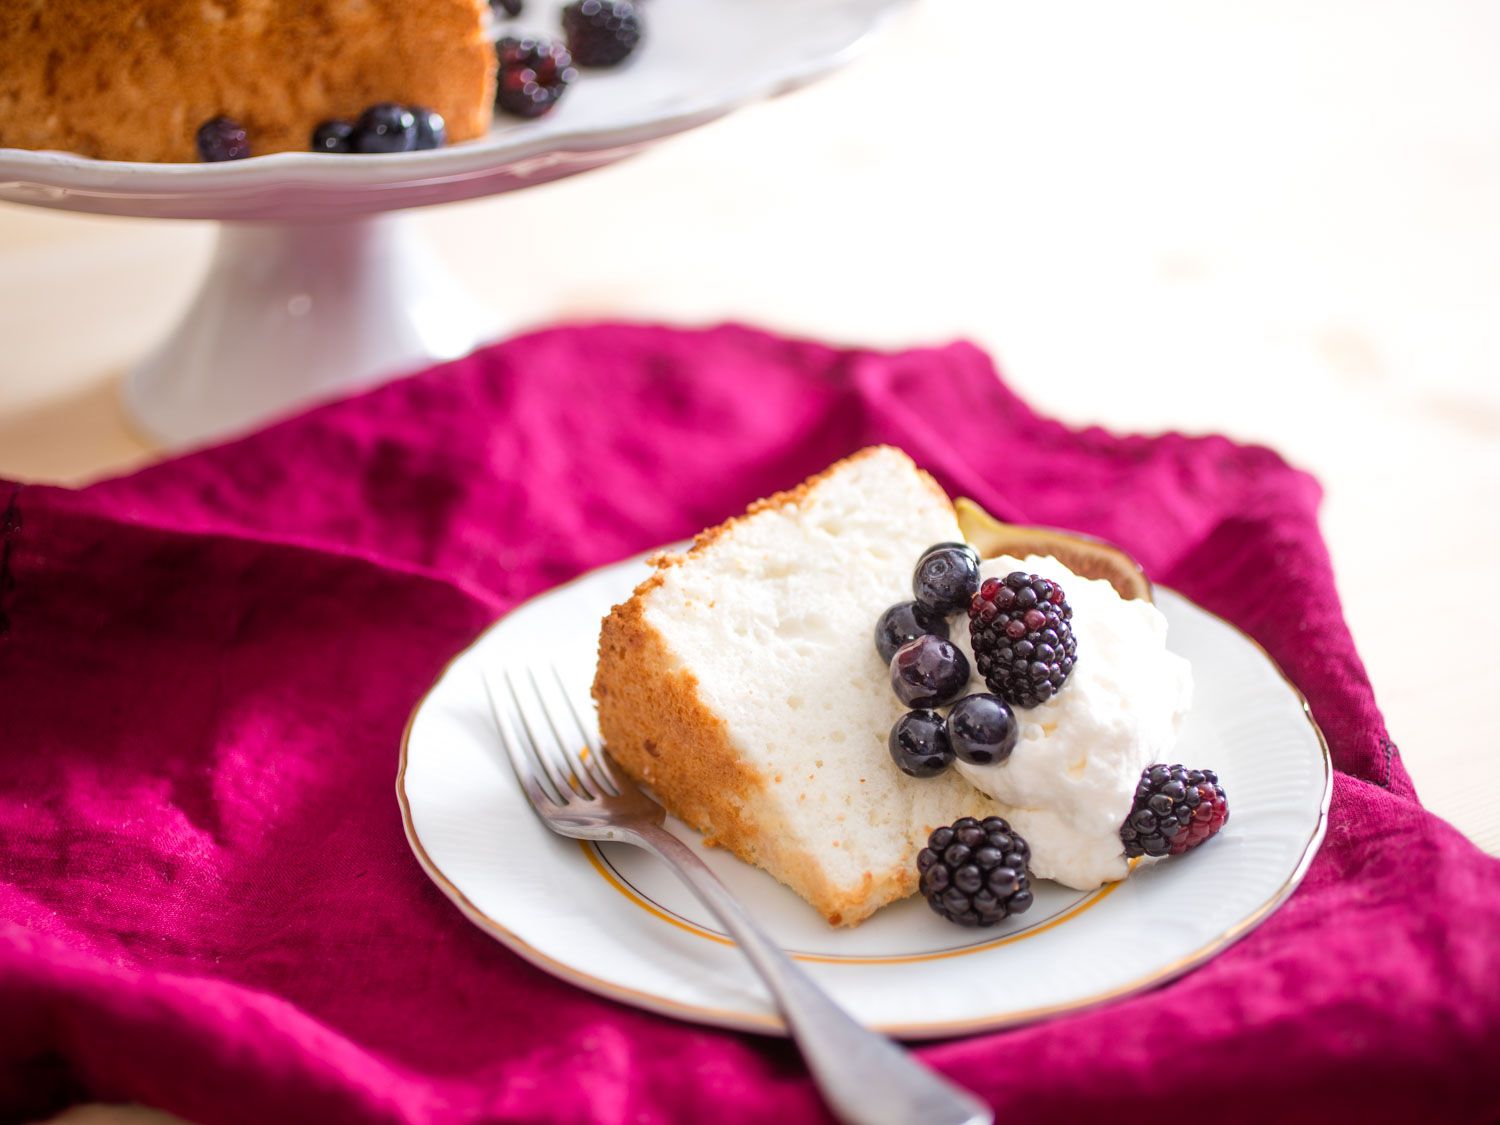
(320, 286)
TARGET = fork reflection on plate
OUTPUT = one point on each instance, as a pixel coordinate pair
(865, 1077)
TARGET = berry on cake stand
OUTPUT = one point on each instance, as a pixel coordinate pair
(319, 286)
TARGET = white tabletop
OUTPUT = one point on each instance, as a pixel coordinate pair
(1273, 220)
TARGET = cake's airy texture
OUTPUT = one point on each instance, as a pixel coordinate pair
(741, 683)
(133, 79)
(1068, 785)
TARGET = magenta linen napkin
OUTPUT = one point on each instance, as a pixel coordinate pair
(206, 900)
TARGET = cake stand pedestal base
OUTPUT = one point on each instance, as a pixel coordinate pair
(291, 314)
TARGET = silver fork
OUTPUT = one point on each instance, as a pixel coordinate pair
(865, 1077)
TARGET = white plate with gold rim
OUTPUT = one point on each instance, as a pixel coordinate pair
(611, 919)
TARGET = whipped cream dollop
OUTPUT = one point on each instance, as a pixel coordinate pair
(1069, 783)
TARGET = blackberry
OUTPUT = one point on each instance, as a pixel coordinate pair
(906, 621)
(974, 873)
(946, 577)
(1174, 809)
(601, 32)
(220, 138)
(534, 73)
(1022, 637)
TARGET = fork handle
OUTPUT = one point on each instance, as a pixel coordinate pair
(865, 1077)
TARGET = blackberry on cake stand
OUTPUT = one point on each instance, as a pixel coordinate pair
(320, 284)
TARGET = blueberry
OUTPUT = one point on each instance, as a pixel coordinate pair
(510, 8)
(919, 745)
(333, 136)
(929, 672)
(432, 130)
(386, 127)
(219, 138)
(906, 621)
(982, 729)
(947, 577)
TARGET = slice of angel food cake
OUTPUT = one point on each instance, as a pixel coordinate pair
(1010, 720)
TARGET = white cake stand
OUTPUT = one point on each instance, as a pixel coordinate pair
(319, 286)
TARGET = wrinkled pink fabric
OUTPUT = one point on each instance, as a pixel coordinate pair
(207, 903)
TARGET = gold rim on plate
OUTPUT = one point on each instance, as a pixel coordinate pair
(638, 898)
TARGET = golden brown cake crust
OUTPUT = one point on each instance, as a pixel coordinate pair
(133, 79)
(657, 727)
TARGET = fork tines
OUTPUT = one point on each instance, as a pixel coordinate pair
(555, 753)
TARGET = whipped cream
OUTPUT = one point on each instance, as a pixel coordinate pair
(1069, 783)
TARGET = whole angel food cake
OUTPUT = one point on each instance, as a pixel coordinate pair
(1011, 720)
(139, 79)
